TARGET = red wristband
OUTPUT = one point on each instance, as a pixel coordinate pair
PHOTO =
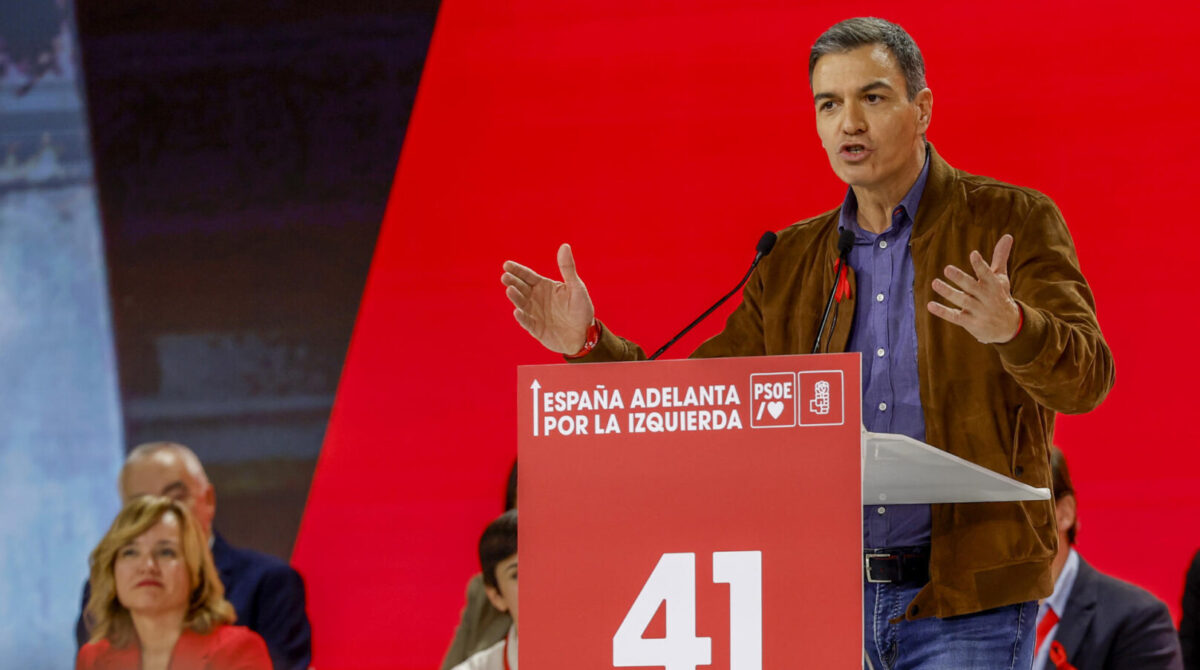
(1020, 323)
(589, 343)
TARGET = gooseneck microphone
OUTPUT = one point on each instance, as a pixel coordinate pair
(845, 243)
(765, 244)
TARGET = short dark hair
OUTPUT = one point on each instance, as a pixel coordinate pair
(1060, 478)
(851, 34)
(499, 541)
(510, 491)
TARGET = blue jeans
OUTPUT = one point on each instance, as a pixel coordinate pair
(996, 639)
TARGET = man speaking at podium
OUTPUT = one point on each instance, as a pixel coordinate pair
(980, 372)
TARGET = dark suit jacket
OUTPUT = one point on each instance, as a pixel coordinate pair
(268, 596)
(1113, 625)
(1189, 623)
(225, 648)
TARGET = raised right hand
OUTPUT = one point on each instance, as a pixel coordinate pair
(556, 313)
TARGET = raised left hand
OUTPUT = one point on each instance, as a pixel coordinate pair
(985, 306)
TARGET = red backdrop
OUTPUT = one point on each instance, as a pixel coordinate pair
(660, 139)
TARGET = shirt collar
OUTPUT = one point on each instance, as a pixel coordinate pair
(512, 646)
(1064, 584)
(848, 217)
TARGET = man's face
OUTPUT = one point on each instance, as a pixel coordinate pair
(504, 596)
(869, 128)
(165, 473)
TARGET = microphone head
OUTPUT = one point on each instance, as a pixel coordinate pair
(766, 243)
(845, 242)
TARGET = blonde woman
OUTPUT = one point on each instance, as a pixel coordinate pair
(157, 602)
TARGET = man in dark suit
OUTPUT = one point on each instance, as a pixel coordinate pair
(1093, 621)
(267, 593)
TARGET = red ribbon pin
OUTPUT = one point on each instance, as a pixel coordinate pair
(843, 280)
(1058, 656)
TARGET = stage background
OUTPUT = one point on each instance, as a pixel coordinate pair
(244, 153)
(60, 413)
(660, 139)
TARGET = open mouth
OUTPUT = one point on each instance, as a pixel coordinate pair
(854, 151)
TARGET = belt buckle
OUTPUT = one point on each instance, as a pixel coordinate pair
(867, 567)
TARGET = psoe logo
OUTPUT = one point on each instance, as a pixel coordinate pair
(821, 398)
(820, 402)
(773, 400)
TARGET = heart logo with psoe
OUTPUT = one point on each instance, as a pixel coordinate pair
(773, 400)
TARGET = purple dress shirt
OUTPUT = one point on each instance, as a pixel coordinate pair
(885, 333)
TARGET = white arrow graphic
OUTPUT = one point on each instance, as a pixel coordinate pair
(535, 386)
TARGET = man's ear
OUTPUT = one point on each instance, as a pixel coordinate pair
(205, 507)
(495, 598)
(924, 103)
(1064, 513)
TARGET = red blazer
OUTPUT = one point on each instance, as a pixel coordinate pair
(226, 648)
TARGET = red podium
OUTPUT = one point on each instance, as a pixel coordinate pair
(696, 513)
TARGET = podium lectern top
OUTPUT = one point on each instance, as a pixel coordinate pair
(899, 470)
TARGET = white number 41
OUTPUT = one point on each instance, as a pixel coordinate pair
(674, 581)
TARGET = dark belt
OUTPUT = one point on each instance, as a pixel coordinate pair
(906, 566)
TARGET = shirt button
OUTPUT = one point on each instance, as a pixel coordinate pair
(878, 297)
(880, 352)
(881, 510)
(883, 244)
(883, 407)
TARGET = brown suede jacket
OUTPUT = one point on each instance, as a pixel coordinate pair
(991, 404)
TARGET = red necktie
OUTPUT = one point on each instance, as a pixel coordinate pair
(1043, 629)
